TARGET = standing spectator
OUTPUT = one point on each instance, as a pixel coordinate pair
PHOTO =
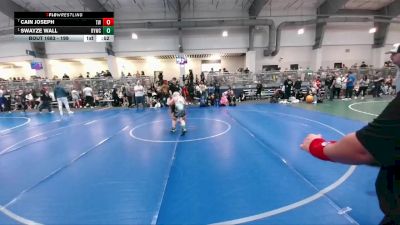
(363, 86)
(174, 86)
(329, 87)
(350, 81)
(139, 94)
(129, 93)
(363, 65)
(259, 88)
(61, 95)
(202, 77)
(3, 100)
(164, 93)
(288, 87)
(297, 87)
(76, 98)
(337, 85)
(45, 100)
(378, 81)
(88, 94)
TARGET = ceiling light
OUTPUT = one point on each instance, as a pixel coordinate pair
(225, 33)
(372, 30)
(134, 36)
(300, 31)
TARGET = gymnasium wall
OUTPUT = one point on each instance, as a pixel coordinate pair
(348, 43)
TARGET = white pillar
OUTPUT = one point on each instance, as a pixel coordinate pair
(379, 57)
(181, 73)
(112, 66)
(316, 60)
(251, 60)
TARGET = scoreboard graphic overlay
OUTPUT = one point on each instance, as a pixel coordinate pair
(64, 26)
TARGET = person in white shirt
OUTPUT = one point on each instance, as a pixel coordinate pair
(88, 94)
(139, 94)
(76, 98)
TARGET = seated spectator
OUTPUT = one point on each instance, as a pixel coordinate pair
(231, 97)
(65, 77)
(224, 100)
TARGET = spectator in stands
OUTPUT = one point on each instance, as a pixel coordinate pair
(65, 77)
(191, 77)
(363, 65)
(297, 87)
(128, 93)
(387, 89)
(203, 90)
(350, 82)
(61, 95)
(231, 97)
(288, 83)
(174, 86)
(87, 75)
(224, 99)
(30, 101)
(329, 86)
(217, 89)
(378, 81)
(45, 100)
(337, 85)
(160, 78)
(202, 77)
(76, 98)
(116, 100)
(259, 88)
(212, 71)
(363, 86)
(22, 100)
(139, 94)
(185, 93)
(88, 95)
(164, 93)
(317, 84)
(108, 74)
(3, 100)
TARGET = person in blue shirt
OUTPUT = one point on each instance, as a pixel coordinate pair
(351, 80)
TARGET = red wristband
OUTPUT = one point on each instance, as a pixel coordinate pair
(317, 148)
